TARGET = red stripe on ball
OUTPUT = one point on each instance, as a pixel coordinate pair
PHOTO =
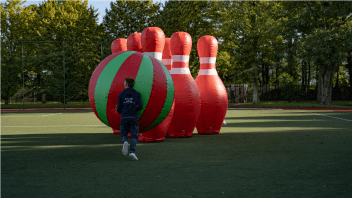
(94, 80)
(117, 86)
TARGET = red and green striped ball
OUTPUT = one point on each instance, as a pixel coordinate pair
(152, 80)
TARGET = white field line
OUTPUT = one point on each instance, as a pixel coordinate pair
(29, 116)
(55, 126)
(51, 114)
(251, 109)
(67, 108)
(331, 117)
(19, 116)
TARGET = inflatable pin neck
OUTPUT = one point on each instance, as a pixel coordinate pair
(119, 45)
(134, 42)
(181, 43)
(153, 39)
(167, 56)
(207, 47)
(167, 51)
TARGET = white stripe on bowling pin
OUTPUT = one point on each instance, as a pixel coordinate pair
(166, 61)
(207, 72)
(180, 58)
(208, 60)
(182, 70)
(157, 55)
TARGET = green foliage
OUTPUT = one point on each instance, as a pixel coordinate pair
(43, 62)
(248, 33)
(260, 42)
(342, 80)
(291, 91)
(326, 37)
(198, 18)
(15, 23)
(126, 17)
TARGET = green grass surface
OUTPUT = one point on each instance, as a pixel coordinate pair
(259, 153)
(335, 104)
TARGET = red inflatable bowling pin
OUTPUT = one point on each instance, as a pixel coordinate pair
(187, 98)
(134, 43)
(212, 90)
(119, 45)
(167, 56)
(153, 41)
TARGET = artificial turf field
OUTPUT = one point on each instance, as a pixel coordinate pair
(259, 153)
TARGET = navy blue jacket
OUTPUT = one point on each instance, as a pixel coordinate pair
(129, 103)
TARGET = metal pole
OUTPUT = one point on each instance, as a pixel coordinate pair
(23, 76)
(63, 46)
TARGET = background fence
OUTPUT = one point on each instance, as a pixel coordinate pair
(54, 73)
(57, 74)
(243, 93)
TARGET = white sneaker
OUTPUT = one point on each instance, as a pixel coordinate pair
(125, 148)
(133, 156)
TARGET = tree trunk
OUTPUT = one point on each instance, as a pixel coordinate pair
(349, 66)
(308, 81)
(337, 82)
(325, 81)
(277, 73)
(303, 87)
(267, 74)
(318, 85)
(255, 86)
(262, 81)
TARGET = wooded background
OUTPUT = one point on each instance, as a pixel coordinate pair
(295, 45)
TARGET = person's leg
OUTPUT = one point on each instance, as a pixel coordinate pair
(124, 128)
(134, 134)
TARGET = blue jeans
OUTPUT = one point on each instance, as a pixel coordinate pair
(129, 124)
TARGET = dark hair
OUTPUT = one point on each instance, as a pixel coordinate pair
(130, 82)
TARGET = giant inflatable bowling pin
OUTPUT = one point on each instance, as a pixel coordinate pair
(212, 90)
(167, 56)
(119, 45)
(134, 42)
(153, 41)
(187, 98)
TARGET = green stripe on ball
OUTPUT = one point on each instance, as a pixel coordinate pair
(144, 82)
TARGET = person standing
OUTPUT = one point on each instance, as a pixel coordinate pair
(128, 104)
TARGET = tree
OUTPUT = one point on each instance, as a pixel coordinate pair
(65, 21)
(326, 38)
(349, 66)
(198, 18)
(15, 26)
(127, 17)
(249, 27)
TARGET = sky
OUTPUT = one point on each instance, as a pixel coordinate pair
(100, 5)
